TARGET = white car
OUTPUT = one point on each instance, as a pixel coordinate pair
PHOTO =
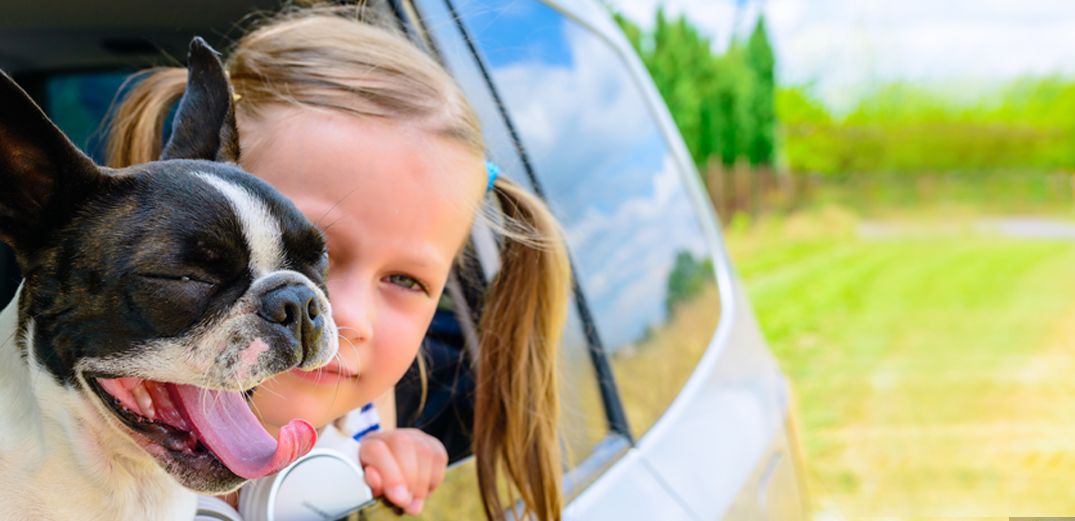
(673, 407)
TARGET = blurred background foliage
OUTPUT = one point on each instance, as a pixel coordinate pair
(903, 128)
(908, 257)
(898, 143)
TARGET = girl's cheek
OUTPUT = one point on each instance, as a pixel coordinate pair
(402, 336)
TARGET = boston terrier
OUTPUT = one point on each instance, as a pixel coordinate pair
(154, 298)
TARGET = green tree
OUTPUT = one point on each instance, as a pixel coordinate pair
(728, 101)
(722, 103)
(761, 63)
(677, 62)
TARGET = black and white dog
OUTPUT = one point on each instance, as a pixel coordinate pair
(154, 297)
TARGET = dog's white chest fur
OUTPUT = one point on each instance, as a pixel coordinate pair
(56, 460)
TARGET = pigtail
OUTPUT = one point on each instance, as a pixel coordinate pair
(517, 404)
(138, 124)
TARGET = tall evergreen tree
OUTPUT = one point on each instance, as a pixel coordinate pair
(760, 61)
(722, 104)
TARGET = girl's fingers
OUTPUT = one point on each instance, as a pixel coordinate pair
(373, 479)
(440, 464)
(423, 471)
(427, 461)
(375, 453)
(407, 457)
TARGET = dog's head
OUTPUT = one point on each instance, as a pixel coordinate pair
(159, 293)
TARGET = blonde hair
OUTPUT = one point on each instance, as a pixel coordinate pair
(323, 58)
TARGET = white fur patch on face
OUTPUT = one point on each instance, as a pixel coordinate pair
(261, 230)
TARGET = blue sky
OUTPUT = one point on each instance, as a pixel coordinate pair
(844, 46)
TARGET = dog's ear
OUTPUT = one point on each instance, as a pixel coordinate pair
(204, 125)
(43, 175)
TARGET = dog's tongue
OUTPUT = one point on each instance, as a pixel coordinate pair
(225, 424)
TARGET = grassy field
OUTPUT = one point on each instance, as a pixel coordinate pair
(934, 366)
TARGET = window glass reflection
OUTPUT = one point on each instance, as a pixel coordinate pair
(610, 177)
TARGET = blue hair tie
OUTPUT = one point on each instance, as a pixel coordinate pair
(492, 171)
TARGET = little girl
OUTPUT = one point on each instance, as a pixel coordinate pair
(376, 144)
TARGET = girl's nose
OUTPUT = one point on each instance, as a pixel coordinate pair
(354, 311)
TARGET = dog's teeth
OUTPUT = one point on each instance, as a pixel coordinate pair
(164, 407)
(145, 402)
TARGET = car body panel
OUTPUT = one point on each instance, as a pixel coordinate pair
(627, 490)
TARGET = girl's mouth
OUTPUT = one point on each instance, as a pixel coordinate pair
(331, 374)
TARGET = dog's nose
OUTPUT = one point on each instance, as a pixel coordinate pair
(295, 308)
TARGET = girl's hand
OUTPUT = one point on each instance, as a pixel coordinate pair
(403, 465)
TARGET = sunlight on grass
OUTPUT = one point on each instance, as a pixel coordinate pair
(933, 370)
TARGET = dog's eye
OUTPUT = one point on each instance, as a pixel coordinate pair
(175, 278)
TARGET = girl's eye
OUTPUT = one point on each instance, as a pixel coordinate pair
(406, 282)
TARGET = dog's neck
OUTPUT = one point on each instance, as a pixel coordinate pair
(58, 458)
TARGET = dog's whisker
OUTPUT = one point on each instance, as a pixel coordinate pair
(238, 383)
(254, 407)
(350, 343)
(267, 387)
(203, 400)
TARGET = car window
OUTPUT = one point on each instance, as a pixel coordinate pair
(611, 178)
(78, 103)
(584, 421)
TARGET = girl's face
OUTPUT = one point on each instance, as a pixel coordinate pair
(395, 204)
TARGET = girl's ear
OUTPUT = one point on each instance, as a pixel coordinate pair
(204, 126)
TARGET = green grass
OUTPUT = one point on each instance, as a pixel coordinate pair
(934, 370)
